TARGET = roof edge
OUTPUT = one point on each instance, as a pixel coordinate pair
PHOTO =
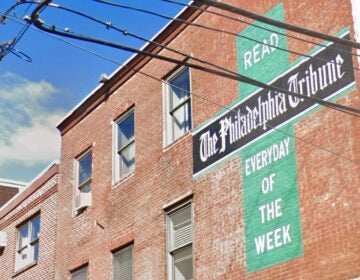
(37, 183)
(125, 71)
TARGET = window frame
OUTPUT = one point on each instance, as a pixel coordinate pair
(118, 171)
(31, 246)
(77, 271)
(172, 252)
(80, 186)
(169, 135)
(119, 251)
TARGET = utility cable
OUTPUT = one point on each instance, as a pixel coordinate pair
(135, 70)
(287, 26)
(254, 25)
(9, 46)
(196, 95)
(109, 25)
(219, 30)
(40, 24)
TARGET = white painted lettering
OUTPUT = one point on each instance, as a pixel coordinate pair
(273, 239)
(267, 184)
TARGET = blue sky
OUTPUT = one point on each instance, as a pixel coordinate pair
(35, 96)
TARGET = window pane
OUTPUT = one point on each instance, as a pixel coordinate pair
(123, 264)
(127, 158)
(36, 250)
(126, 131)
(80, 274)
(179, 104)
(183, 264)
(24, 236)
(24, 254)
(85, 168)
(35, 230)
(179, 88)
(181, 120)
(86, 188)
(181, 228)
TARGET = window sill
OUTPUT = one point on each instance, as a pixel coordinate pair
(174, 142)
(24, 268)
(122, 180)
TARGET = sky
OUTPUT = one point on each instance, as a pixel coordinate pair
(53, 73)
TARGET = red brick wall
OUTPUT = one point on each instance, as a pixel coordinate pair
(131, 211)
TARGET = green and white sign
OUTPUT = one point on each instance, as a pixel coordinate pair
(259, 129)
(272, 218)
(270, 187)
(261, 52)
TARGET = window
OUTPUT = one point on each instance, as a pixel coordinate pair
(123, 264)
(124, 146)
(177, 106)
(82, 198)
(179, 244)
(84, 171)
(80, 274)
(28, 243)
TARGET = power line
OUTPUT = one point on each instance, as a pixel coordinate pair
(202, 97)
(230, 74)
(7, 47)
(254, 25)
(287, 26)
(197, 95)
(222, 31)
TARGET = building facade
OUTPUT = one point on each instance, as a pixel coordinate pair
(28, 229)
(172, 172)
(227, 150)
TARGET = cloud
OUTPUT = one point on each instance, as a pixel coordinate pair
(28, 118)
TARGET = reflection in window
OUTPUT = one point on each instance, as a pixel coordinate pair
(124, 146)
(178, 105)
(84, 172)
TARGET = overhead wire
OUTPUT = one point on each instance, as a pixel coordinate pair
(9, 46)
(230, 74)
(225, 31)
(284, 25)
(253, 24)
(202, 97)
(199, 96)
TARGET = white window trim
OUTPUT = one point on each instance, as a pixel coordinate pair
(20, 264)
(116, 177)
(77, 163)
(76, 189)
(168, 138)
(170, 258)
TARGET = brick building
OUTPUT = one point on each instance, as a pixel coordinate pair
(171, 172)
(8, 189)
(24, 254)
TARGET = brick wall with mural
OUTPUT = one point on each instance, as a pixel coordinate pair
(273, 178)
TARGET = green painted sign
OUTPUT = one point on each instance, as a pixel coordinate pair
(270, 188)
(259, 129)
(271, 203)
(259, 46)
